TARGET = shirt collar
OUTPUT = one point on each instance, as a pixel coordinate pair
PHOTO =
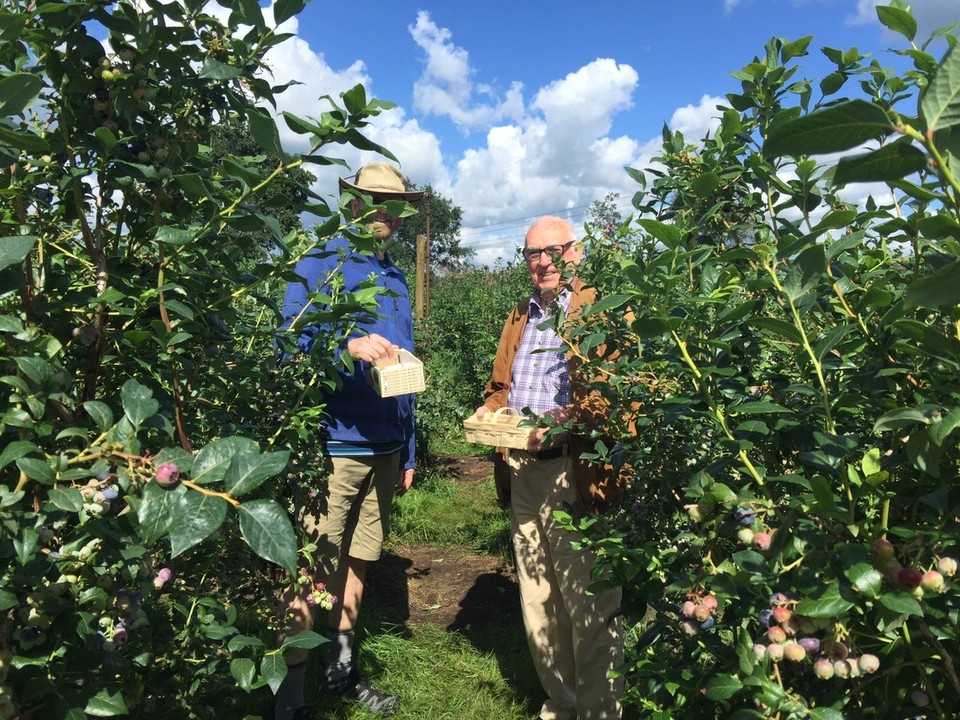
(563, 300)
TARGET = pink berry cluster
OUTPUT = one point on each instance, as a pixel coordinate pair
(319, 596)
(127, 615)
(913, 580)
(699, 611)
(99, 495)
(752, 531)
(792, 637)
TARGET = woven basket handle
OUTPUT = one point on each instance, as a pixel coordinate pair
(501, 412)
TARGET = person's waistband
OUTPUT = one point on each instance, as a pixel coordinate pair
(552, 452)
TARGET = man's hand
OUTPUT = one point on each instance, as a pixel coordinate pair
(371, 348)
(404, 481)
(554, 416)
(481, 411)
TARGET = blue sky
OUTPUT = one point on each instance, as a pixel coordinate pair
(517, 109)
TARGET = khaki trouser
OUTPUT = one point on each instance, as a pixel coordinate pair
(575, 638)
(351, 516)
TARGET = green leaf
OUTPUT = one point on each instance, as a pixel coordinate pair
(214, 459)
(243, 670)
(669, 235)
(158, 509)
(355, 99)
(247, 470)
(17, 92)
(723, 687)
(901, 603)
(175, 236)
(197, 516)
(68, 499)
(939, 288)
(16, 450)
(893, 161)
(822, 492)
(216, 70)
(273, 668)
(106, 704)
(898, 20)
(14, 249)
(900, 418)
(106, 138)
(822, 713)
(940, 103)
(832, 129)
(37, 369)
(26, 545)
(37, 470)
(285, 9)
(266, 528)
(7, 600)
(782, 328)
(610, 302)
(865, 579)
(306, 640)
(264, 130)
(138, 403)
(100, 413)
(871, 461)
(829, 605)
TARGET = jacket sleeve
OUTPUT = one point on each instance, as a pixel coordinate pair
(497, 393)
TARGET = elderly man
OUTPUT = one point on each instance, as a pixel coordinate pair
(574, 637)
(369, 442)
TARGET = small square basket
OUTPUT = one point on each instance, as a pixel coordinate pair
(399, 375)
(500, 428)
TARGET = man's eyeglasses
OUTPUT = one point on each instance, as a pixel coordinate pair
(554, 251)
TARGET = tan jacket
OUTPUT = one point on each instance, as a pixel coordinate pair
(596, 486)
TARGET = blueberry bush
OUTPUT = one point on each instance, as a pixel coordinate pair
(146, 431)
(784, 310)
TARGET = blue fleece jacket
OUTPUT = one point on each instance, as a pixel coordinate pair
(361, 422)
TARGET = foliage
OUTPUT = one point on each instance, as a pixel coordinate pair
(786, 396)
(458, 343)
(144, 421)
(446, 252)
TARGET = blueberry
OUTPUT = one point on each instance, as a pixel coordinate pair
(707, 624)
(766, 618)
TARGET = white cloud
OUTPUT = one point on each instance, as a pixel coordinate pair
(696, 121)
(446, 87)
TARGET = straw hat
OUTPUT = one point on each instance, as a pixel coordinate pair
(381, 179)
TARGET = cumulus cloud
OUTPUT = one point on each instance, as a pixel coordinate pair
(446, 86)
(560, 156)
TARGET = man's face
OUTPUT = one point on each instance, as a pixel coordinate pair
(542, 246)
(381, 224)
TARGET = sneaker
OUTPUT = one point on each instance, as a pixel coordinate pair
(356, 688)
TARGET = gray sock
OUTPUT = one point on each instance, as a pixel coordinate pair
(290, 693)
(339, 656)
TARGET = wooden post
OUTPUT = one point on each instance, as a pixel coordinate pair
(421, 263)
(426, 264)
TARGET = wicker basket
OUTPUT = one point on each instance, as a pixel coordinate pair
(500, 429)
(398, 375)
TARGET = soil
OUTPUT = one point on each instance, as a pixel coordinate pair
(446, 586)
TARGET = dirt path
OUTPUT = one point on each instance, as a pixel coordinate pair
(447, 587)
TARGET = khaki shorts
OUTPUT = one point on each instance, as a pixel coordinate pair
(352, 514)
